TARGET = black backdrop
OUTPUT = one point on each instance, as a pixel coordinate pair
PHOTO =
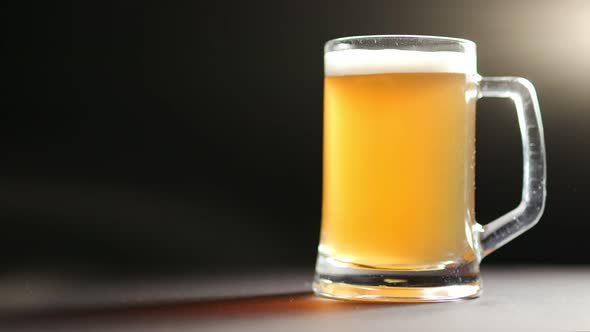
(183, 137)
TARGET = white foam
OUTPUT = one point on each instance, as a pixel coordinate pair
(361, 62)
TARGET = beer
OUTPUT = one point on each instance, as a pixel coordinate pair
(399, 131)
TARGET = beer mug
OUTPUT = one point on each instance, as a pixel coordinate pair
(398, 219)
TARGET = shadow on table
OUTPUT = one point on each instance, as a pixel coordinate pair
(241, 307)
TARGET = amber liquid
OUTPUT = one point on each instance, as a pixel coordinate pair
(399, 170)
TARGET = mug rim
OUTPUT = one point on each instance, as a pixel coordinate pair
(466, 42)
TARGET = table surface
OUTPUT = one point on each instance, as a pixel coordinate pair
(515, 298)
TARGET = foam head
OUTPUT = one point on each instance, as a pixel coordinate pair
(362, 62)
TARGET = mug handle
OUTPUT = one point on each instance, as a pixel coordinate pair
(504, 229)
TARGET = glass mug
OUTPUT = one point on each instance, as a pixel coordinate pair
(399, 174)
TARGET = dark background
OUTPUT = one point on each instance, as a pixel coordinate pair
(168, 138)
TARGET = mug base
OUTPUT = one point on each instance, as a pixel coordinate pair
(347, 281)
